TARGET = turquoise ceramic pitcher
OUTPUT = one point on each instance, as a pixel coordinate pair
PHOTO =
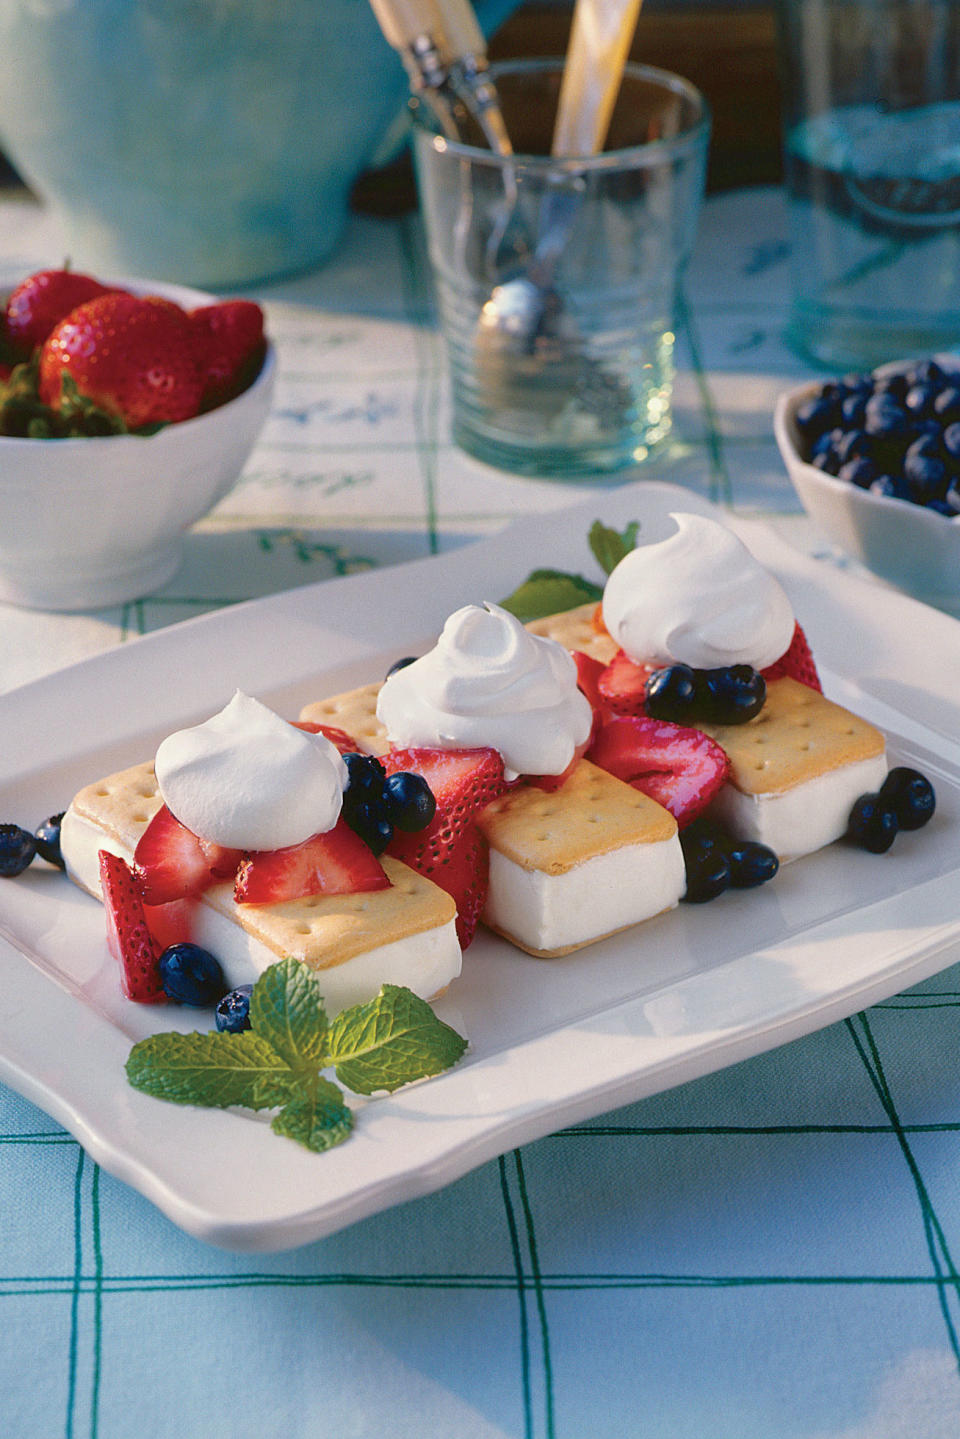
(208, 141)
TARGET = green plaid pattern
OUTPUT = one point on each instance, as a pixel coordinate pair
(766, 1253)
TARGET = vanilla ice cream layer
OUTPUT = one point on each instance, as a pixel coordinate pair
(804, 818)
(426, 962)
(597, 897)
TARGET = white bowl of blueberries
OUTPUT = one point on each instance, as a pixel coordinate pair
(875, 460)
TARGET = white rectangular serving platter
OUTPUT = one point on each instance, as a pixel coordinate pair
(551, 1042)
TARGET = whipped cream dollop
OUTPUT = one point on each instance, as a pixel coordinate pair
(488, 682)
(248, 779)
(699, 598)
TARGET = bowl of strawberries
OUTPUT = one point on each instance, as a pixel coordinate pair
(128, 409)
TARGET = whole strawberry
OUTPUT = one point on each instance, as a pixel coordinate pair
(40, 301)
(130, 356)
(229, 347)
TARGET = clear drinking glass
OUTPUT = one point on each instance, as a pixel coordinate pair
(872, 167)
(557, 279)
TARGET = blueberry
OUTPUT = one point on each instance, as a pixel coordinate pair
(926, 478)
(670, 693)
(367, 819)
(191, 975)
(233, 1010)
(731, 694)
(857, 383)
(751, 863)
(873, 823)
(950, 440)
(893, 486)
(852, 445)
(860, 472)
(400, 665)
(707, 871)
(408, 802)
(705, 833)
(911, 795)
(947, 404)
(926, 445)
(896, 384)
(17, 848)
(366, 776)
(941, 507)
(951, 499)
(853, 409)
(885, 418)
(815, 415)
(824, 442)
(47, 836)
(919, 400)
(825, 446)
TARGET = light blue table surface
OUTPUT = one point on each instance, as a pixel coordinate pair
(766, 1253)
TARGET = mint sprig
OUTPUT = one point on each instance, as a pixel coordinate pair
(609, 546)
(551, 592)
(389, 1041)
(392, 1040)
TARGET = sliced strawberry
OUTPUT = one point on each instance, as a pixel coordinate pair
(462, 781)
(466, 877)
(622, 686)
(337, 862)
(680, 768)
(796, 663)
(344, 742)
(172, 863)
(451, 850)
(128, 937)
(171, 923)
(589, 671)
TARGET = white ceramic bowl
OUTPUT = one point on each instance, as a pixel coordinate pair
(914, 548)
(91, 522)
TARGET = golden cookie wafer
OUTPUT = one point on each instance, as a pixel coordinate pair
(797, 736)
(576, 630)
(326, 929)
(122, 804)
(592, 814)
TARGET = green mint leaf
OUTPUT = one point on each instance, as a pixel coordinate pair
(389, 1041)
(213, 1069)
(315, 1116)
(610, 546)
(550, 592)
(287, 1011)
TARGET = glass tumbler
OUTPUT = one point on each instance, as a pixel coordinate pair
(872, 168)
(557, 279)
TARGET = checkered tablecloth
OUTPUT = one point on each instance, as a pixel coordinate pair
(767, 1253)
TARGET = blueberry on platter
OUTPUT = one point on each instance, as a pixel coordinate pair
(905, 801)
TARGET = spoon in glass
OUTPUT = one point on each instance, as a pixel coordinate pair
(526, 347)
